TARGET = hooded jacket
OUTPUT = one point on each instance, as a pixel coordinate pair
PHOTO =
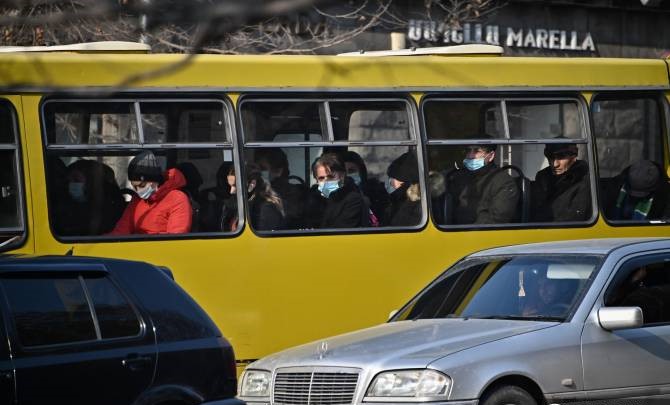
(562, 198)
(168, 210)
(485, 196)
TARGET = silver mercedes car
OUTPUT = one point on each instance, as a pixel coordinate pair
(529, 324)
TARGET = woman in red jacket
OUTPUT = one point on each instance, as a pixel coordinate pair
(159, 206)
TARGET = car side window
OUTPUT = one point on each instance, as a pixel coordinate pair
(645, 284)
(48, 311)
(114, 313)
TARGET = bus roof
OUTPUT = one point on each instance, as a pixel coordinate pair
(85, 47)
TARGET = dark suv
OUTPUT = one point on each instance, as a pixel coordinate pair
(77, 330)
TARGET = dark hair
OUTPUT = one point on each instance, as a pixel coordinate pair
(263, 190)
(355, 158)
(275, 157)
(330, 161)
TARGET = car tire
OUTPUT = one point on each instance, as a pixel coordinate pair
(508, 395)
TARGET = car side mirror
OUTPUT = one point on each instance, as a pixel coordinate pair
(392, 314)
(615, 318)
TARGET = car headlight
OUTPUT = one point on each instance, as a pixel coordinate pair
(255, 383)
(409, 386)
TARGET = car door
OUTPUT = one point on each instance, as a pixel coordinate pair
(631, 362)
(78, 339)
(6, 367)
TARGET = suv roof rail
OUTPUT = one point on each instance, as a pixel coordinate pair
(469, 49)
(84, 47)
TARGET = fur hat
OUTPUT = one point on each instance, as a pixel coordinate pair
(145, 167)
(566, 149)
(404, 168)
(643, 178)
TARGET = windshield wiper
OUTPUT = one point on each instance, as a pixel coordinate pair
(521, 317)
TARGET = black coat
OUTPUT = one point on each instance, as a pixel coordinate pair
(265, 216)
(344, 208)
(561, 198)
(377, 198)
(485, 196)
(293, 197)
(402, 211)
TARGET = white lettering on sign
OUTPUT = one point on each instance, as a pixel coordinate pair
(540, 38)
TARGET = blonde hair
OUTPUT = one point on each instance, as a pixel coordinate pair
(413, 192)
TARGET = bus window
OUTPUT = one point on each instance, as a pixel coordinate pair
(88, 186)
(486, 168)
(11, 216)
(365, 136)
(629, 138)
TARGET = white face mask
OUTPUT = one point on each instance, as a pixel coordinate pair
(146, 192)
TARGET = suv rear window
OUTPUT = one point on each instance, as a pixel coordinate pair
(57, 310)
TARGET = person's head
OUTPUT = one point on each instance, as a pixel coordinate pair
(478, 156)
(403, 169)
(329, 173)
(547, 291)
(260, 189)
(145, 174)
(272, 163)
(76, 182)
(561, 157)
(643, 179)
(355, 167)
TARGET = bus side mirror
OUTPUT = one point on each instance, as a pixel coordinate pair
(615, 318)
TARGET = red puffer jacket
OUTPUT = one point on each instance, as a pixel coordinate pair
(168, 210)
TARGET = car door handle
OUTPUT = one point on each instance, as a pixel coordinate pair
(135, 362)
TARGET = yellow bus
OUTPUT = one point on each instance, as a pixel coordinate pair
(71, 118)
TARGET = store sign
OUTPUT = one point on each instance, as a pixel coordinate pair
(538, 38)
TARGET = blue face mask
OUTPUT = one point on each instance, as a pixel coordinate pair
(146, 192)
(77, 192)
(356, 178)
(474, 164)
(327, 187)
(389, 187)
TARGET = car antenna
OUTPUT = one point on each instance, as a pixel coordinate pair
(70, 252)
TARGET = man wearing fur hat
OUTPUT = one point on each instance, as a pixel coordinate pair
(561, 192)
(481, 192)
(159, 206)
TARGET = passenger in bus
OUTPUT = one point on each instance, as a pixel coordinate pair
(373, 190)
(482, 193)
(274, 167)
(403, 188)
(93, 202)
(641, 192)
(159, 206)
(219, 204)
(266, 209)
(335, 201)
(561, 192)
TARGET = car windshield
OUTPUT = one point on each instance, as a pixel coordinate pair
(516, 287)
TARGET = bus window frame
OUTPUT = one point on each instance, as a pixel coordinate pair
(326, 123)
(664, 118)
(132, 149)
(530, 96)
(21, 232)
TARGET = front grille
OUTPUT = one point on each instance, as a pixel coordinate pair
(314, 388)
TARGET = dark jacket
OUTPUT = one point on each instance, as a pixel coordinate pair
(660, 207)
(344, 208)
(293, 197)
(378, 198)
(218, 211)
(561, 198)
(486, 196)
(402, 211)
(265, 216)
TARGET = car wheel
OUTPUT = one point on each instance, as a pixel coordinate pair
(508, 395)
